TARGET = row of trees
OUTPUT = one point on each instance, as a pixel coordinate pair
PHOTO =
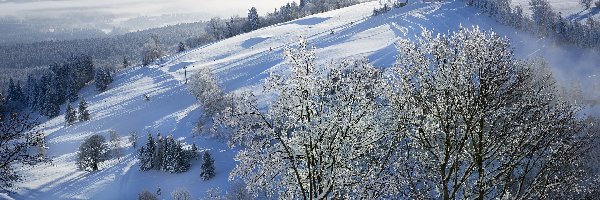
(166, 154)
(457, 117)
(544, 22)
(219, 28)
(57, 85)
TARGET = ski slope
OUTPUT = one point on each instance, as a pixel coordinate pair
(241, 63)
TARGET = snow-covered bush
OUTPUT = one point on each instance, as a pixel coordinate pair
(181, 194)
(91, 153)
(484, 125)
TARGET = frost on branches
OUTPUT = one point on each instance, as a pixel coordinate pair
(457, 117)
(484, 125)
(329, 133)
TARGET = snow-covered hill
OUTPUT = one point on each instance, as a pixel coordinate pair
(241, 63)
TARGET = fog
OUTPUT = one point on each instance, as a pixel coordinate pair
(38, 17)
(62, 8)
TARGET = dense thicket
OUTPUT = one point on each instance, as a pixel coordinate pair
(165, 154)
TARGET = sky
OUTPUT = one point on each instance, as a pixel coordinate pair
(53, 8)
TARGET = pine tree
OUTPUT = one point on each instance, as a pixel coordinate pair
(84, 115)
(102, 79)
(159, 152)
(208, 169)
(70, 115)
(253, 19)
(146, 156)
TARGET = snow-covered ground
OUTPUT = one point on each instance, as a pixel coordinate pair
(240, 63)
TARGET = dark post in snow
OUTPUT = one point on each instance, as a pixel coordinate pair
(185, 73)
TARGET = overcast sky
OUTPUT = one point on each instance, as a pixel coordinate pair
(132, 8)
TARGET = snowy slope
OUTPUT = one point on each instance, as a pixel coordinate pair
(241, 63)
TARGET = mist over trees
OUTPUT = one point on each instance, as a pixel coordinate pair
(544, 21)
(457, 117)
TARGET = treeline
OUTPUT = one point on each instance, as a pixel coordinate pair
(544, 22)
(58, 84)
(166, 154)
(218, 28)
(107, 51)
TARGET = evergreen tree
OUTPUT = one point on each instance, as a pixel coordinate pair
(102, 79)
(84, 115)
(70, 115)
(146, 156)
(253, 19)
(208, 169)
(159, 152)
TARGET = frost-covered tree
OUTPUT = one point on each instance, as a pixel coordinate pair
(17, 138)
(327, 134)
(207, 171)
(91, 153)
(212, 98)
(146, 195)
(482, 124)
(205, 87)
(70, 115)
(82, 110)
(238, 190)
(115, 145)
(181, 194)
(253, 19)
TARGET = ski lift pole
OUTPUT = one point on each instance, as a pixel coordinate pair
(185, 73)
